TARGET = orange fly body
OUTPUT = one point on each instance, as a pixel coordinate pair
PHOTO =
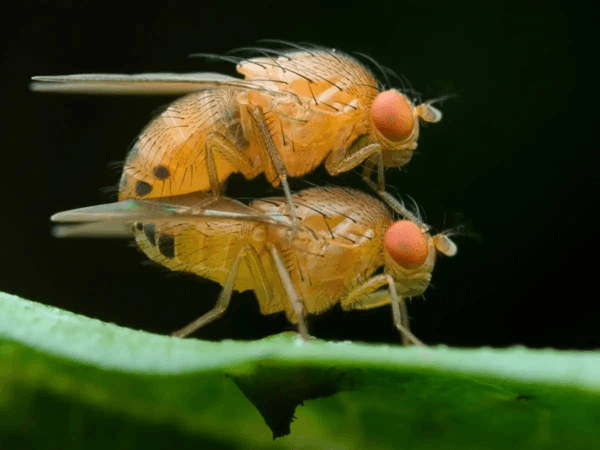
(293, 111)
(345, 237)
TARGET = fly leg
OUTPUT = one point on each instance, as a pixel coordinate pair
(337, 163)
(273, 158)
(295, 301)
(400, 315)
(222, 301)
(239, 161)
(368, 295)
(386, 196)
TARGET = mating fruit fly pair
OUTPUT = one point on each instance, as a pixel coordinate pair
(292, 111)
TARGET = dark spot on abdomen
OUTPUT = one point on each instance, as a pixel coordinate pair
(166, 245)
(161, 172)
(150, 232)
(142, 188)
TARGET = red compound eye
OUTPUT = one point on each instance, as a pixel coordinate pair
(406, 244)
(393, 116)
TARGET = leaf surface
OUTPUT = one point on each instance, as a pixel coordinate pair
(68, 381)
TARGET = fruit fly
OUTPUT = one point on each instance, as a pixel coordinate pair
(293, 111)
(344, 238)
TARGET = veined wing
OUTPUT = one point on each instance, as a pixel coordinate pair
(140, 84)
(115, 219)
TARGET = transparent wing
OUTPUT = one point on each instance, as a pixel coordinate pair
(94, 229)
(115, 219)
(140, 84)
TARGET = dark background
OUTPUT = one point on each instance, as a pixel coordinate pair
(515, 158)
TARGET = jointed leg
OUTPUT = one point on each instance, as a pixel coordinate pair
(222, 301)
(274, 158)
(211, 170)
(366, 296)
(400, 315)
(338, 162)
(385, 196)
(295, 300)
(216, 143)
(371, 155)
(396, 205)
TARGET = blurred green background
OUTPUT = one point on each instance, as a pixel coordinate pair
(514, 159)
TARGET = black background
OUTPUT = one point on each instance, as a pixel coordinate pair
(515, 158)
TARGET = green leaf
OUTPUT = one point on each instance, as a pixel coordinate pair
(68, 381)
